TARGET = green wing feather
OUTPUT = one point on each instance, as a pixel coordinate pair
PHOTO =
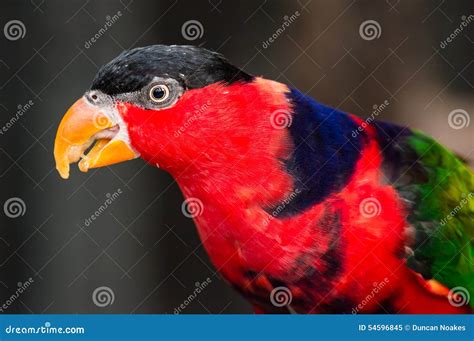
(444, 213)
(438, 189)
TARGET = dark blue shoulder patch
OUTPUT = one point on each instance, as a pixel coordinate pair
(398, 158)
(325, 153)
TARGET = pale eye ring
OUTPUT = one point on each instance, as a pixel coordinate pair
(159, 93)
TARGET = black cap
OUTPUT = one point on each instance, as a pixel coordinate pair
(193, 66)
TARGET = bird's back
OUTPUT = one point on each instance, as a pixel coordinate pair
(438, 191)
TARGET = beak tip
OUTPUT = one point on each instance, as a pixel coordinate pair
(63, 174)
(63, 171)
(83, 166)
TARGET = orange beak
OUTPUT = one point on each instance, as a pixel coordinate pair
(83, 125)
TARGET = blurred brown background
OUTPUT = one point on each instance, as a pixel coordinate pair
(141, 248)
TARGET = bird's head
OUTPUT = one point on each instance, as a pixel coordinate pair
(167, 104)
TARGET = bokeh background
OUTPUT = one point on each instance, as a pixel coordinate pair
(142, 248)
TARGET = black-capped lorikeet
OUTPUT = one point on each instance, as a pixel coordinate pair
(290, 197)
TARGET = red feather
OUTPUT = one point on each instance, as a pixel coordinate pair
(231, 160)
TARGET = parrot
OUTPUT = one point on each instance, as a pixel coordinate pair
(302, 208)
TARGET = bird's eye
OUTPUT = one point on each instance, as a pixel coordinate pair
(159, 93)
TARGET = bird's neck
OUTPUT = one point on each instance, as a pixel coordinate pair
(246, 166)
